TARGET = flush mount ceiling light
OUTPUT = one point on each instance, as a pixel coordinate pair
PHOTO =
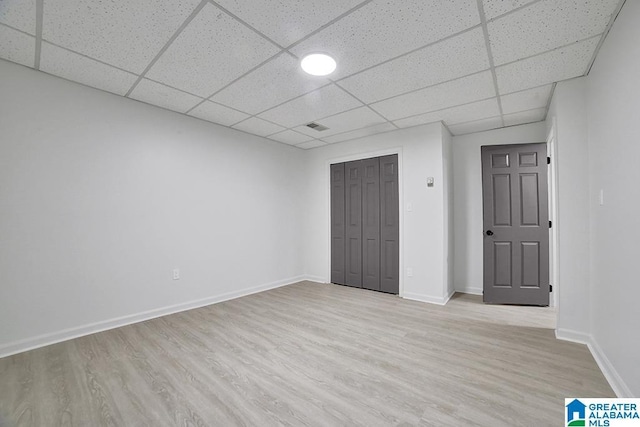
(318, 64)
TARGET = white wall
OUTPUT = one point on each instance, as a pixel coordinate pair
(568, 108)
(467, 198)
(422, 239)
(101, 197)
(613, 92)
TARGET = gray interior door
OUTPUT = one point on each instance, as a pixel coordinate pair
(365, 224)
(516, 224)
(353, 212)
(338, 259)
(389, 225)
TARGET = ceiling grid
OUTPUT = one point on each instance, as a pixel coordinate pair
(492, 66)
(39, 12)
(473, 65)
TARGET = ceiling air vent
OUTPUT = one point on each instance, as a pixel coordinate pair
(317, 126)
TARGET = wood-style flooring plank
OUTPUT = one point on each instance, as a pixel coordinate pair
(308, 355)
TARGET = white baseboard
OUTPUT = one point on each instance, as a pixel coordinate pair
(428, 298)
(469, 290)
(92, 328)
(317, 279)
(448, 297)
(614, 379)
(573, 336)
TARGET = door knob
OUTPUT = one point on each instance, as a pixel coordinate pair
(489, 233)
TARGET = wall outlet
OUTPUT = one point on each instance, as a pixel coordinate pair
(176, 274)
(409, 272)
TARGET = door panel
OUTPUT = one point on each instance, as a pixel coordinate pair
(530, 262)
(515, 212)
(529, 209)
(338, 243)
(371, 223)
(353, 196)
(502, 199)
(389, 225)
(503, 264)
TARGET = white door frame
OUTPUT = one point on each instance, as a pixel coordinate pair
(554, 255)
(361, 156)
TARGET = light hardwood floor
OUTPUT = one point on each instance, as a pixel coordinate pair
(308, 354)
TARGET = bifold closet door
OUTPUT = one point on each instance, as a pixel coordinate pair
(338, 258)
(389, 225)
(365, 224)
(353, 229)
(371, 224)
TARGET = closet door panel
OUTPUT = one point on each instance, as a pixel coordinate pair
(389, 225)
(353, 212)
(371, 224)
(338, 229)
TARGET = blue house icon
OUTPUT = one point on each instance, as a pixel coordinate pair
(573, 407)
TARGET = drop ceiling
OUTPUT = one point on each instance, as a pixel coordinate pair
(473, 64)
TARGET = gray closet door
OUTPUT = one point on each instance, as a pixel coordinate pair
(365, 224)
(353, 199)
(338, 229)
(516, 224)
(371, 224)
(389, 225)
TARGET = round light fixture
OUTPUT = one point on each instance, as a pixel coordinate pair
(318, 64)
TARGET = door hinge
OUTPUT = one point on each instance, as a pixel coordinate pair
(550, 224)
(548, 160)
(550, 288)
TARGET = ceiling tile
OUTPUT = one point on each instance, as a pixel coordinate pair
(560, 64)
(290, 137)
(382, 30)
(476, 126)
(547, 25)
(124, 33)
(295, 19)
(456, 92)
(78, 68)
(17, 47)
(456, 57)
(343, 122)
(212, 51)
(313, 106)
(279, 80)
(523, 117)
(384, 127)
(258, 127)
(157, 94)
(311, 144)
(494, 8)
(462, 113)
(19, 14)
(217, 113)
(526, 100)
